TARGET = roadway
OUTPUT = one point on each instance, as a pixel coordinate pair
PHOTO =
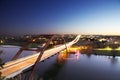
(13, 68)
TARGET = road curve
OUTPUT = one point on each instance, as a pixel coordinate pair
(13, 68)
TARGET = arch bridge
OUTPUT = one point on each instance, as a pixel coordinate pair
(17, 66)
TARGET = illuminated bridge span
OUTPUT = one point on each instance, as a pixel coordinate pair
(15, 67)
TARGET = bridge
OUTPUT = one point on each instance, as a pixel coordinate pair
(17, 66)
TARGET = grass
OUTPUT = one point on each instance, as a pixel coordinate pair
(33, 45)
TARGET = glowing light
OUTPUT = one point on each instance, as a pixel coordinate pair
(73, 49)
(51, 42)
(117, 48)
(34, 40)
(116, 42)
(27, 36)
(103, 39)
(83, 47)
(107, 48)
(77, 55)
(1, 41)
(64, 56)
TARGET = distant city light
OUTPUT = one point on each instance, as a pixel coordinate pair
(1, 41)
(116, 42)
(34, 40)
(103, 39)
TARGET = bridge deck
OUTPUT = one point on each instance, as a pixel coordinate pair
(13, 68)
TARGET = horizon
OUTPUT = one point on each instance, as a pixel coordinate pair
(85, 17)
(58, 34)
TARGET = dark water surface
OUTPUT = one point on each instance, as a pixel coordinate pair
(86, 67)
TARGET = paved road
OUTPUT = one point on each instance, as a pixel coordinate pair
(13, 68)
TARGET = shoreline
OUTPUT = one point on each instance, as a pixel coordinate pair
(101, 52)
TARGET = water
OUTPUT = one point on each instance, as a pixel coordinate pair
(86, 67)
(8, 52)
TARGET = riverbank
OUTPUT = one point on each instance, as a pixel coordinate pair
(101, 52)
(88, 51)
(107, 51)
(7, 46)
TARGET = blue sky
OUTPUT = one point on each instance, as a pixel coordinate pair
(60, 16)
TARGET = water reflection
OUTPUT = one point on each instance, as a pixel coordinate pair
(69, 56)
(113, 60)
(62, 57)
(52, 72)
(92, 68)
(88, 52)
(48, 69)
(82, 65)
(113, 53)
(77, 55)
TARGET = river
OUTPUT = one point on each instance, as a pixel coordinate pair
(86, 67)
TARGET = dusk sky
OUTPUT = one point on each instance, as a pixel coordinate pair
(60, 16)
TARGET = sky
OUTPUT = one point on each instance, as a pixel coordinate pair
(20, 17)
